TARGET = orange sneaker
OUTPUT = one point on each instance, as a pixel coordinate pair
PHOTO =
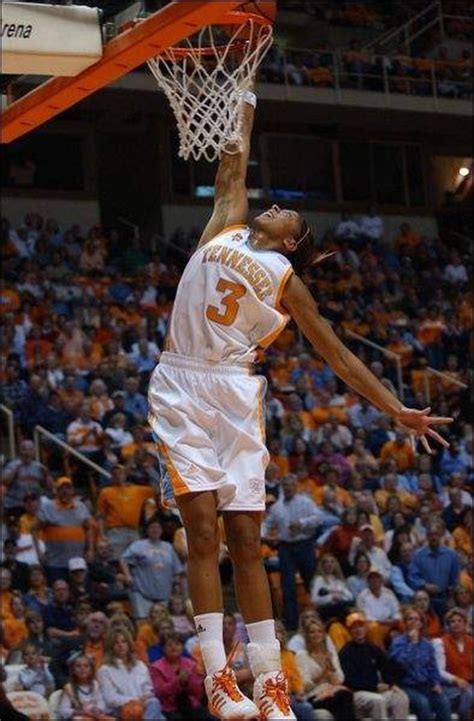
(270, 694)
(226, 701)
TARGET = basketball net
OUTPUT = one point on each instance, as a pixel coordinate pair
(205, 81)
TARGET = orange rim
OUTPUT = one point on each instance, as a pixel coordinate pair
(234, 17)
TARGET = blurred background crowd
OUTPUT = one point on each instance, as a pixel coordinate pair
(367, 541)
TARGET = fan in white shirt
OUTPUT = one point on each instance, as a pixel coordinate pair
(377, 602)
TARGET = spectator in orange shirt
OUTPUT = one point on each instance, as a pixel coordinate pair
(6, 595)
(332, 482)
(119, 507)
(390, 488)
(279, 457)
(10, 301)
(398, 346)
(430, 331)
(139, 443)
(148, 633)
(15, 627)
(431, 622)
(320, 75)
(400, 450)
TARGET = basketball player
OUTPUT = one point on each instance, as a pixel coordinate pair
(237, 292)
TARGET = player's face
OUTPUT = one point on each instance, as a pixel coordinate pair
(278, 223)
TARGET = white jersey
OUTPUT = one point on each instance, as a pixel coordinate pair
(228, 300)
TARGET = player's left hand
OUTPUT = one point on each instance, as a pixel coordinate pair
(418, 425)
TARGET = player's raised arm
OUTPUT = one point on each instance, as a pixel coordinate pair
(230, 200)
(301, 305)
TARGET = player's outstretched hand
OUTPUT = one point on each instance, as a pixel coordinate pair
(419, 425)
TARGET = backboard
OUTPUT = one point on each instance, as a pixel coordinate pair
(140, 40)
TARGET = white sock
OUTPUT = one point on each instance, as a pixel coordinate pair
(262, 633)
(209, 631)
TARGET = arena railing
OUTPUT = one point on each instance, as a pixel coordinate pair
(444, 377)
(294, 67)
(393, 357)
(406, 33)
(11, 430)
(40, 432)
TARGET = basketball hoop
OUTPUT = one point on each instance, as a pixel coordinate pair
(205, 78)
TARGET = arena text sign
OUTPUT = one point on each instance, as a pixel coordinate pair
(14, 30)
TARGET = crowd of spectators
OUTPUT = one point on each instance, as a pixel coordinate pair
(368, 545)
(374, 69)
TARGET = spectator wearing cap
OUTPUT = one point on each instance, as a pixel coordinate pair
(292, 520)
(379, 604)
(454, 656)
(368, 673)
(24, 475)
(67, 530)
(435, 568)
(366, 544)
(420, 677)
(118, 398)
(119, 507)
(79, 585)
(150, 567)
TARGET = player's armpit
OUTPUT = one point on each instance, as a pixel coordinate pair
(302, 307)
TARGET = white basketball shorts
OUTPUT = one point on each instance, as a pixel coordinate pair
(209, 423)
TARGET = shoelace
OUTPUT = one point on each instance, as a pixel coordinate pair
(276, 691)
(225, 679)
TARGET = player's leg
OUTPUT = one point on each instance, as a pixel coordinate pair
(243, 531)
(254, 600)
(199, 514)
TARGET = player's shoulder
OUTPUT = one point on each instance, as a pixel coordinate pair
(237, 234)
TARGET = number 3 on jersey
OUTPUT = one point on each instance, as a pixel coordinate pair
(234, 291)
